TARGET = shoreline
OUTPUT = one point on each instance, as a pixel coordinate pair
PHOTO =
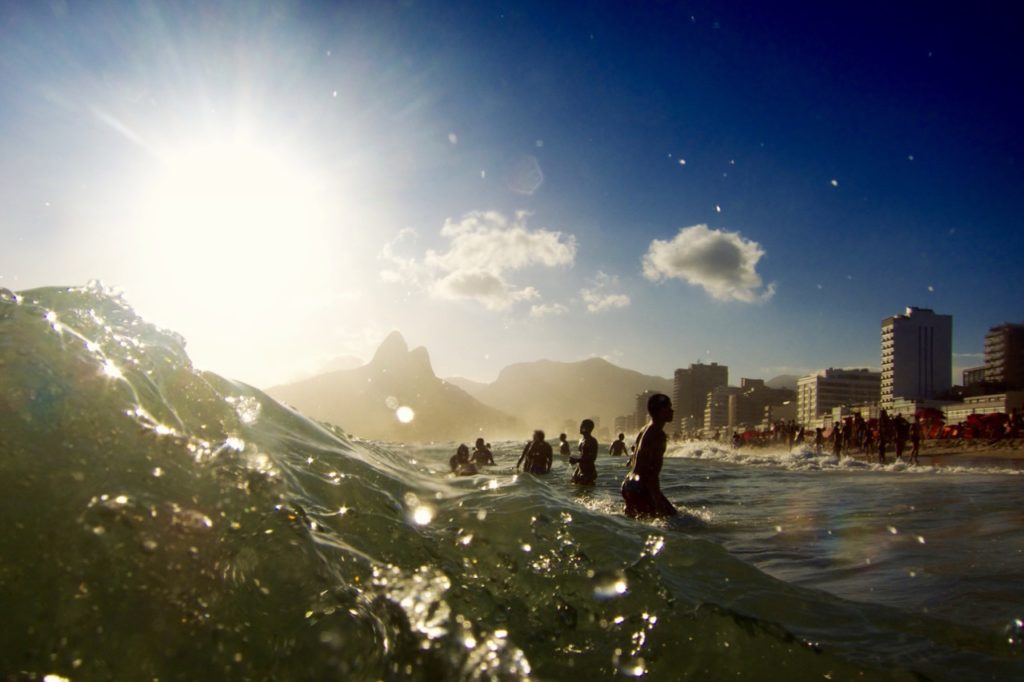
(1004, 448)
(960, 452)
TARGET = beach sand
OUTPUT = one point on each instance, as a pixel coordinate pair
(1006, 452)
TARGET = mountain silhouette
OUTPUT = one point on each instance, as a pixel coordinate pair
(546, 394)
(783, 381)
(365, 400)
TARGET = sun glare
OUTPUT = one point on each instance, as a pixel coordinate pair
(222, 210)
(228, 235)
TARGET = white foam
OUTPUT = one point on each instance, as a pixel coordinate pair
(804, 458)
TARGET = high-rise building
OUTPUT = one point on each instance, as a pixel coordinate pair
(626, 424)
(1004, 356)
(716, 410)
(973, 376)
(818, 393)
(917, 356)
(640, 412)
(691, 388)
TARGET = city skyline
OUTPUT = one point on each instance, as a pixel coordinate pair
(286, 183)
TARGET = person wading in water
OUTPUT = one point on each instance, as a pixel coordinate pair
(642, 488)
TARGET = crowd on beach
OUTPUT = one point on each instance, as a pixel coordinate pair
(875, 438)
(641, 488)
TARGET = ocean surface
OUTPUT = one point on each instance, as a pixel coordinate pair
(160, 522)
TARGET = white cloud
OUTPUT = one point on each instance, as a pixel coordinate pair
(399, 268)
(485, 247)
(548, 310)
(598, 298)
(722, 262)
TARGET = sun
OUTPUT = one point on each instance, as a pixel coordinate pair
(228, 237)
(219, 209)
(224, 222)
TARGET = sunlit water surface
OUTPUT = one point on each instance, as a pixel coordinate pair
(161, 522)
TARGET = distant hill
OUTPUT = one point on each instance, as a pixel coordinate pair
(783, 381)
(468, 385)
(545, 394)
(363, 400)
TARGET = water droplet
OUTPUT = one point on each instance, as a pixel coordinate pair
(405, 414)
(682, 162)
(611, 586)
(391, 402)
(422, 515)
(111, 370)
(835, 183)
(453, 138)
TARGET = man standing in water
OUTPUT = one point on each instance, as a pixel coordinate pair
(642, 488)
(618, 447)
(586, 472)
(482, 454)
(563, 445)
(537, 455)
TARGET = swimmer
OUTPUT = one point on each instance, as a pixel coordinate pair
(641, 489)
(482, 454)
(460, 462)
(537, 455)
(586, 472)
(563, 445)
(618, 447)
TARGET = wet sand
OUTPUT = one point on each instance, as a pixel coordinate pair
(1006, 452)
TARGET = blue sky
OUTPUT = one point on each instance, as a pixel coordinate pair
(285, 183)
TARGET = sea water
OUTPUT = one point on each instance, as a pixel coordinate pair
(160, 522)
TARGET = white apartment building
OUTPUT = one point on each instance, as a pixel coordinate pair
(984, 404)
(917, 356)
(817, 394)
(716, 409)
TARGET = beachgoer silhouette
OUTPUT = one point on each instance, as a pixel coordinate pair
(586, 471)
(819, 439)
(482, 454)
(837, 440)
(537, 455)
(460, 462)
(563, 445)
(915, 440)
(883, 434)
(618, 447)
(641, 488)
(902, 429)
